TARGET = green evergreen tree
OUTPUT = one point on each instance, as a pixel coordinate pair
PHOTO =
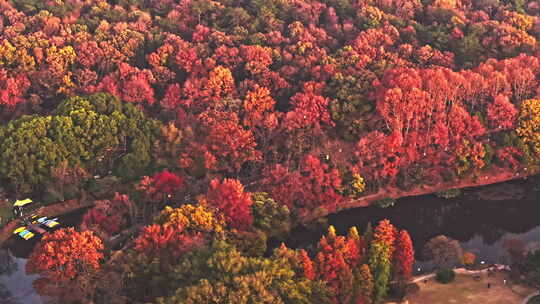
(96, 133)
(380, 266)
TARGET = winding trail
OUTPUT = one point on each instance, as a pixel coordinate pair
(462, 271)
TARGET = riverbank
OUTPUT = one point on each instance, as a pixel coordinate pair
(492, 176)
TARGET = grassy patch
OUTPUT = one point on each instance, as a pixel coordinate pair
(465, 289)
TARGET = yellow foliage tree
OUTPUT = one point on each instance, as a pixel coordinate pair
(220, 82)
(61, 58)
(358, 183)
(197, 218)
(529, 124)
(17, 58)
(517, 20)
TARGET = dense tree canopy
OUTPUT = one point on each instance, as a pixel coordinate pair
(97, 132)
(221, 274)
(424, 90)
(216, 125)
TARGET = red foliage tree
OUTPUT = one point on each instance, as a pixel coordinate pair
(307, 265)
(259, 107)
(108, 216)
(376, 44)
(227, 56)
(310, 109)
(509, 156)
(166, 242)
(401, 99)
(86, 81)
(146, 186)
(314, 185)
(220, 84)
(228, 197)
(403, 257)
(12, 89)
(283, 185)
(320, 182)
(65, 254)
(257, 58)
(462, 125)
(161, 184)
(167, 182)
(501, 113)
(130, 84)
(88, 53)
(173, 97)
(375, 157)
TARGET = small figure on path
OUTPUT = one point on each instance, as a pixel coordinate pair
(504, 281)
(425, 281)
(489, 285)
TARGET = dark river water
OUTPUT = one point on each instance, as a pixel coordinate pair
(480, 226)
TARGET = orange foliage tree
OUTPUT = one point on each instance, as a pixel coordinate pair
(67, 261)
(336, 260)
(166, 242)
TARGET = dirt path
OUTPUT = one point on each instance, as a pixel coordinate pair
(497, 267)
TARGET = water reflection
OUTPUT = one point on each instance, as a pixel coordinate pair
(15, 286)
(6, 296)
(7, 264)
(426, 217)
(7, 267)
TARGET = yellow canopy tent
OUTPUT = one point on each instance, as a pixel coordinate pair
(20, 203)
(25, 207)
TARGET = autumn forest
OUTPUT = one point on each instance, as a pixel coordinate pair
(192, 131)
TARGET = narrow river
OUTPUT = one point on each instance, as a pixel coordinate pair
(480, 225)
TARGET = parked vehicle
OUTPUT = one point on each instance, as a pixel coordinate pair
(48, 223)
(24, 233)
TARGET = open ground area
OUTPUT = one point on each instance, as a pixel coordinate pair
(466, 290)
